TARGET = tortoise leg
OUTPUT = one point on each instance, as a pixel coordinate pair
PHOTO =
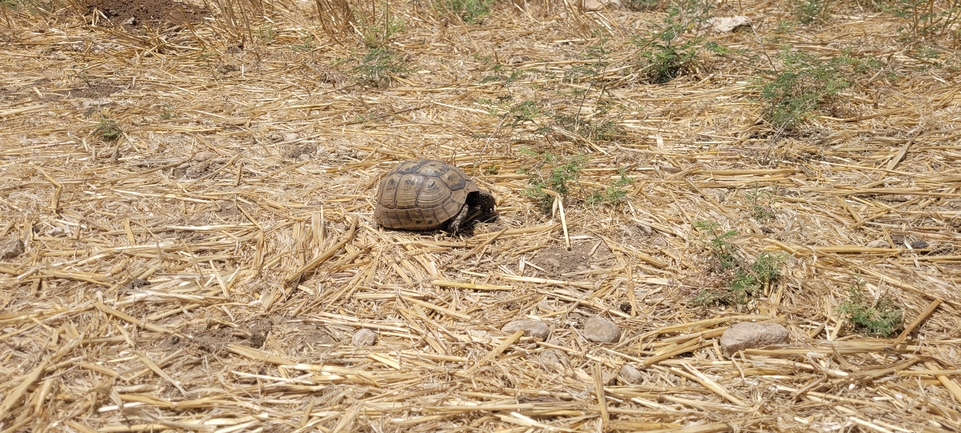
(458, 220)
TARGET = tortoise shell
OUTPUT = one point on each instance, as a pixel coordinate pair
(427, 194)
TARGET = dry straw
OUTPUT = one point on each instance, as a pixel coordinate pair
(207, 267)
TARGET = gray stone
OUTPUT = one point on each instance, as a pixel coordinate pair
(553, 359)
(748, 335)
(364, 337)
(630, 374)
(601, 330)
(596, 5)
(10, 248)
(727, 24)
(531, 327)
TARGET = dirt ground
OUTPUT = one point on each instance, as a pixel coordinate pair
(187, 239)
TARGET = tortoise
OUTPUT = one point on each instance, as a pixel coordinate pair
(426, 194)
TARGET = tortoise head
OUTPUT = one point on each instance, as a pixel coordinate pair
(481, 204)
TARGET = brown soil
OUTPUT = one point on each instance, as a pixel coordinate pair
(139, 13)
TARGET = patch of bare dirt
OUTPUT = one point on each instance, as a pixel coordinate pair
(584, 255)
(133, 14)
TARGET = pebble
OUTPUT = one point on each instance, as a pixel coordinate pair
(630, 374)
(553, 359)
(10, 248)
(601, 330)
(204, 155)
(531, 327)
(364, 337)
(878, 243)
(748, 335)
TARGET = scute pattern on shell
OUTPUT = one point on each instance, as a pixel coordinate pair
(422, 195)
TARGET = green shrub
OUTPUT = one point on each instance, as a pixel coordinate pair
(740, 282)
(881, 318)
(671, 49)
(805, 85)
(469, 11)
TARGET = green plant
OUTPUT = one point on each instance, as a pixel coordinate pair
(375, 67)
(881, 318)
(672, 48)
(923, 17)
(723, 252)
(810, 11)
(805, 85)
(738, 281)
(643, 5)
(602, 130)
(614, 194)
(31, 6)
(498, 74)
(760, 202)
(307, 43)
(525, 111)
(165, 112)
(560, 174)
(469, 11)
(376, 28)
(107, 129)
(266, 33)
(596, 54)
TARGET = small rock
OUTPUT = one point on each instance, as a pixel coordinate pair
(878, 243)
(630, 374)
(204, 155)
(553, 359)
(10, 248)
(531, 327)
(751, 335)
(918, 243)
(364, 337)
(601, 330)
(546, 307)
(727, 24)
(596, 5)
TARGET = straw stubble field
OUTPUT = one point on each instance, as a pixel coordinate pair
(194, 197)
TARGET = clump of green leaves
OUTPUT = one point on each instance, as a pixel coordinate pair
(881, 318)
(107, 129)
(810, 11)
(740, 281)
(671, 49)
(551, 173)
(643, 5)
(598, 53)
(560, 174)
(307, 43)
(922, 17)
(375, 67)
(590, 130)
(761, 202)
(266, 33)
(614, 194)
(376, 29)
(525, 111)
(469, 11)
(805, 85)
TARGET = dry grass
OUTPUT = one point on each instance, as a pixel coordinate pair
(207, 269)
